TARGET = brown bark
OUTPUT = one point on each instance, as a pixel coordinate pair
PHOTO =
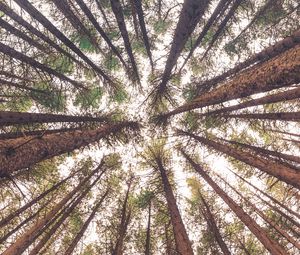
(278, 72)
(282, 116)
(182, 241)
(19, 153)
(118, 12)
(191, 13)
(265, 151)
(269, 99)
(261, 235)
(26, 239)
(148, 234)
(268, 196)
(79, 235)
(28, 7)
(35, 64)
(271, 167)
(213, 226)
(9, 12)
(11, 118)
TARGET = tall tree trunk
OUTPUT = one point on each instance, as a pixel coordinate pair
(182, 241)
(19, 153)
(148, 234)
(92, 19)
(282, 205)
(35, 64)
(265, 151)
(273, 247)
(28, 7)
(260, 57)
(269, 99)
(134, 20)
(278, 72)
(19, 211)
(9, 12)
(282, 116)
(191, 13)
(213, 226)
(11, 118)
(222, 5)
(11, 29)
(22, 242)
(140, 13)
(79, 235)
(273, 168)
(118, 12)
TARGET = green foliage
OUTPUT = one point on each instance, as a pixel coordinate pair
(189, 93)
(138, 47)
(161, 26)
(89, 99)
(84, 43)
(212, 122)
(119, 96)
(144, 198)
(111, 63)
(191, 121)
(60, 63)
(19, 104)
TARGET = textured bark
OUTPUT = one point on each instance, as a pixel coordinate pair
(118, 12)
(260, 57)
(14, 214)
(11, 29)
(268, 196)
(213, 226)
(182, 241)
(140, 13)
(269, 99)
(191, 13)
(283, 116)
(278, 72)
(26, 239)
(9, 12)
(21, 86)
(11, 118)
(79, 235)
(261, 235)
(93, 20)
(134, 19)
(212, 19)
(283, 132)
(35, 64)
(265, 151)
(28, 7)
(19, 153)
(222, 26)
(148, 233)
(271, 167)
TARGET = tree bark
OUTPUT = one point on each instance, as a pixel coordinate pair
(19, 153)
(182, 241)
(21, 244)
(148, 234)
(273, 168)
(79, 235)
(278, 72)
(8, 118)
(273, 247)
(283, 132)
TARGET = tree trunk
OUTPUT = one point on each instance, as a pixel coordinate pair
(279, 72)
(9, 12)
(282, 116)
(21, 244)
(134, 19)
(140, 13)
(273, 168)
(79, 235)
(273, 247)
(148, 234)
(266, 54)
(19, 153)
(182, 241)
(8, 118)
(268, 196)
(92, 19)
(269, 99)
(11, 29)
(35, 64)
(213, 226)
(258, 150)
(118, 12)
(191, 13)
(28, 7)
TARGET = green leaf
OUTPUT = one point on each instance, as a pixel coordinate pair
(89, 99)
